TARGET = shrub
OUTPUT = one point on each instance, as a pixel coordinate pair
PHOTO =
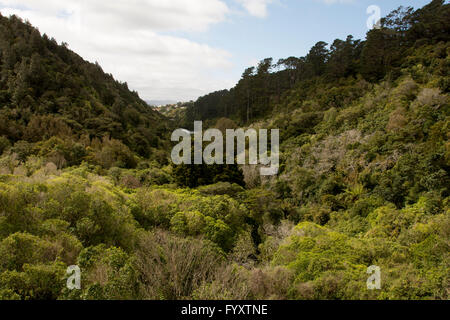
(4, 144)
(171, 267)
(432, 97)
(36, 282)
(107, 273)
(221, 188)
(114, 153)
(21, 248)
(23, 150)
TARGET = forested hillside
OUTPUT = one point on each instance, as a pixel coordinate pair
(383, 54)
(48, 91)
(364, 176)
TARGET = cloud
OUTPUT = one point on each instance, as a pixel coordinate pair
(336, 1)
(257, 8)
(130, 39)
(194, 15)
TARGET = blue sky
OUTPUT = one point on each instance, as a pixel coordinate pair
(181, 49)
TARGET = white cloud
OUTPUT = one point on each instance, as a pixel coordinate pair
(129, 39)
(142, 14)
(257, 8)
(336, 1)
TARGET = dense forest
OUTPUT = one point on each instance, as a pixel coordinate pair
(48, 91)
(86, 179)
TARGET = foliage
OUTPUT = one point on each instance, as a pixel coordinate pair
(364, 176)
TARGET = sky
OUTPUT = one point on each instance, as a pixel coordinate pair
(178, 50)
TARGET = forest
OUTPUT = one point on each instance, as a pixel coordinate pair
(86, 177)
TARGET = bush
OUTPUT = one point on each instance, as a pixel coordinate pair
(36, 282)
(221, 188)
(21, 248)
(114, 153)
(23, 150)
(4, 144)
(171, 267)
(107, 274)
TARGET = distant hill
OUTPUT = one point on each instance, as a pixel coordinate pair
(157, 103)
(176, 113)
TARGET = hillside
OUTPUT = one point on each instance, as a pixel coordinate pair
(364, 176)
(384, 54)
(175, 112)
(48, 91)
